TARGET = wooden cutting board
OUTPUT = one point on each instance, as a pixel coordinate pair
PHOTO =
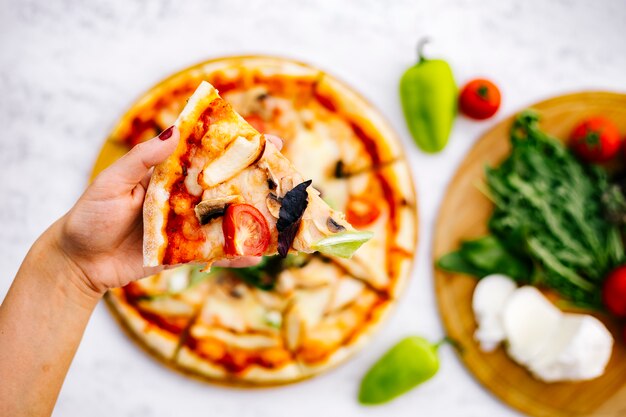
(463, 215)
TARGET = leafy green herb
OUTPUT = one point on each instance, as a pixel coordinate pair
(549, 213)
(264, 275)
(615, 205)
(485, 256)
(342, 244)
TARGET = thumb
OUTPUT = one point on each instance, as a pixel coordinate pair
(129, 170)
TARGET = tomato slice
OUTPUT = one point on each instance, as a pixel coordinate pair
(246, 232)
(361, 211)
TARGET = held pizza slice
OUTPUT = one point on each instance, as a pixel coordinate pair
(227, 192)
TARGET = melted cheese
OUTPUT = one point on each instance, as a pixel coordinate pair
(306, 142)
(346, 290)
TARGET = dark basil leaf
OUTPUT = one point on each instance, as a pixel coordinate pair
(291, 210)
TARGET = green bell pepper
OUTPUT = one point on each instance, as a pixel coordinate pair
(410, 362)
(429, 101)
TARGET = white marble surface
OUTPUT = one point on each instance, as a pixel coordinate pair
(68, 69)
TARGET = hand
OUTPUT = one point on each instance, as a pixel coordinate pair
(102, 234)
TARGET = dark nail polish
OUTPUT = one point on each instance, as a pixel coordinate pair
(167, 133)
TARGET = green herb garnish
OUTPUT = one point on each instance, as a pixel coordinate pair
(549, 218)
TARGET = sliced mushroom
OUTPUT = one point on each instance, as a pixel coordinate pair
(328, 226)
(208, 210)
(273, 204)
(239, 155)
(273, 181)
(333, 226)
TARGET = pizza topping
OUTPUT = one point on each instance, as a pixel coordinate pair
(342, 244)
(263, 275)
(253, 102)
(286, 184)
(326, 226)
(292, 208)
(273, 204)
(273, 319)
(361, 211)
(294, 327)
(340, 169)
(246, 232)
(208, 210)
(346, 291)
(168, 307)
(272, 180)
(239, 155)
(333, 226)
(191, 180)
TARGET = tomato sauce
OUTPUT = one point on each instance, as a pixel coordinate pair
(133, 294)
(183, 248)
(138, 129)
(235, 360)
(325, 102)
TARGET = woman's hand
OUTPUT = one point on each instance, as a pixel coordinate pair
(101, 236)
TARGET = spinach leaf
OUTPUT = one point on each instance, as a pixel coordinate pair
(485, 256)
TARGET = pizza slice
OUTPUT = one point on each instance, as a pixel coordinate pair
(227, 192)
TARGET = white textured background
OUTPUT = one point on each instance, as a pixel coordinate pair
(69, 69)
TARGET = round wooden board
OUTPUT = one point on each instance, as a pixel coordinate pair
(463, 215)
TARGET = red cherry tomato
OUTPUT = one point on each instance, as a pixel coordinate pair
(361, 211)
(246, 232)
(479, 99)
(596, 139)
(614, 292)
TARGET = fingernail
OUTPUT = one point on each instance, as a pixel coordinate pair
(167, 133)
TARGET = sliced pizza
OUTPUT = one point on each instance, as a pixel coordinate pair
(226, 192)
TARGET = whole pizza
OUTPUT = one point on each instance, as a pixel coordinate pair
(287, 318)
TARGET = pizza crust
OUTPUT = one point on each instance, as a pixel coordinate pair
(156, 207)
(253, 375)
(161, 343)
